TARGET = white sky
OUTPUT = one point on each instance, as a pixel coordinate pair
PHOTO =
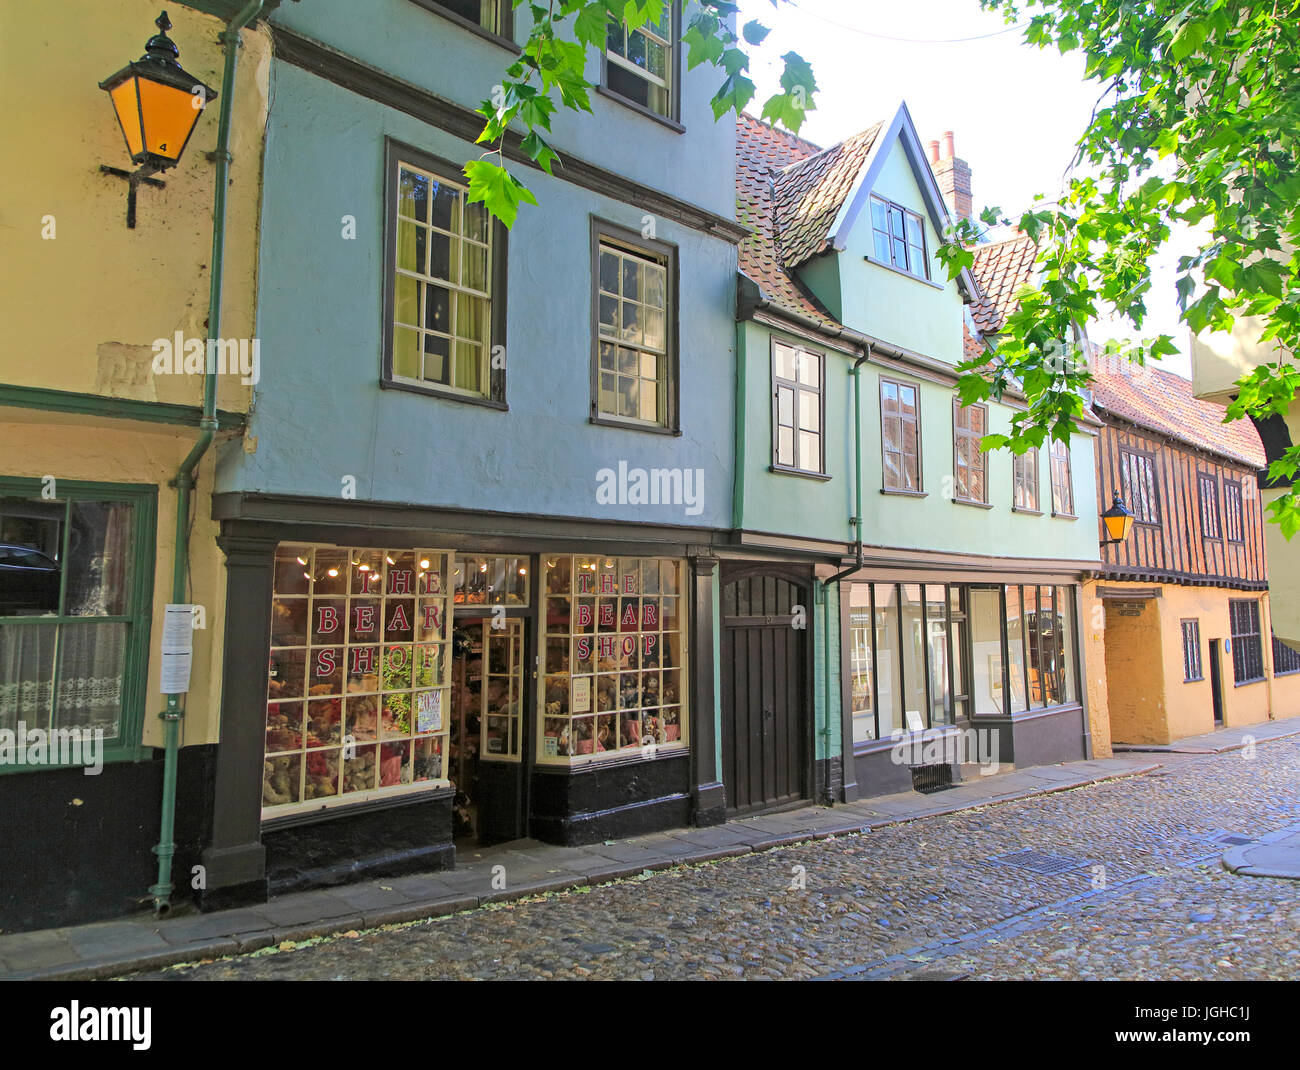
(1016, 111)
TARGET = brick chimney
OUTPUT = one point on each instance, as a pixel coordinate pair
(953, 176)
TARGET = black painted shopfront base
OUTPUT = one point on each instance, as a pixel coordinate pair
(347, 846)
(76, 849)
(611, 801)
(710, 806)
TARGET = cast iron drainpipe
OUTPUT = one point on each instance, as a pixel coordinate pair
(184, 481)
(856, 522)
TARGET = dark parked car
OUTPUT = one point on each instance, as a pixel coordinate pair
(29, 581)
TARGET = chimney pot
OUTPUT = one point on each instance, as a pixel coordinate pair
(948, 150)
(934, 151)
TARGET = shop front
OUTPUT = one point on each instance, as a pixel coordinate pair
(441, 692)
(941, 675)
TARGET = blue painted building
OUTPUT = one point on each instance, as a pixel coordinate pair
(936, 586)
(471, 529)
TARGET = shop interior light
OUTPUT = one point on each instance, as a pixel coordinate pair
(302, 561)
(333, 572)
(424, 563)
(157, 104)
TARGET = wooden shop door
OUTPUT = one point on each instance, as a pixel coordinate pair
(766, 727)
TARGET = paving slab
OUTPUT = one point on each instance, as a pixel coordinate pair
(1274, 855)
(1219, 741)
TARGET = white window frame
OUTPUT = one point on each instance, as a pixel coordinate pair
(912, 251)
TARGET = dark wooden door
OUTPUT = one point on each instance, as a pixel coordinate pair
(1216, 679)
(766, 728)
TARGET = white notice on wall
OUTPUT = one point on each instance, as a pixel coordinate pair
(428, 711)
(175, 673)
(178, 629)
(177, 649)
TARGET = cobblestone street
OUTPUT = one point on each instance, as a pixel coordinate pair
(1145, 898)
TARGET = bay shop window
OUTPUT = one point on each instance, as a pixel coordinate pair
(923, 656)
(359, 674)
(614, 658)
(373, 689)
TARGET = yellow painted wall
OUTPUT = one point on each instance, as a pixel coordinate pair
(36, 444)
(82, 298)
(1094, 669)
(1285, 690)
(82, 309)
(1144, 693)
(1135, 682)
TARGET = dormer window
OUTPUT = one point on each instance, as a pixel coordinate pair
(899, 238)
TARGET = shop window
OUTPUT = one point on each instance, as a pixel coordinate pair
(1017, 680)
(970, 423)
(986, 627)
(861, 664)
(889, 706)
(900, 432)
(613, 660)
(493, 16)
(490, 581)
(1286, 659)
(1062, 484)
(1209, 495)
(899, 237)
(939, 693)
(359, 675)
(1192, 651)
(1233, 523)
(640, 64)
(635, 365)
(445, 320)
(1247, 646)
(1138, 485)
(1024, 471)
(75, 590)
(797, 376)
(1069, 685)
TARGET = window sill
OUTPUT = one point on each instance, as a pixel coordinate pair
(110, 755)
(1064, 516)
(972, 503)
(1027, 512)
(1194, 680)
(437, 9)
(900, 271)
(629, 425)
(1247, 683)
(905, 493)
(1289, 672)
(641, 109)
(780, 469)
(447, 395)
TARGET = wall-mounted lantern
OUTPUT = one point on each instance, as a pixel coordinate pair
(1118, 521)
(157, 105)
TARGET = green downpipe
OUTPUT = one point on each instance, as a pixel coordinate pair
(184, 481)
(738, 487)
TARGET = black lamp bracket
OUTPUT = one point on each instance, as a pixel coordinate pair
(134, 178)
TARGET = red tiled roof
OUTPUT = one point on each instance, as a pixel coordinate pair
(808, 195)
(1162, 401)
(1001, 268)
(761, 153)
